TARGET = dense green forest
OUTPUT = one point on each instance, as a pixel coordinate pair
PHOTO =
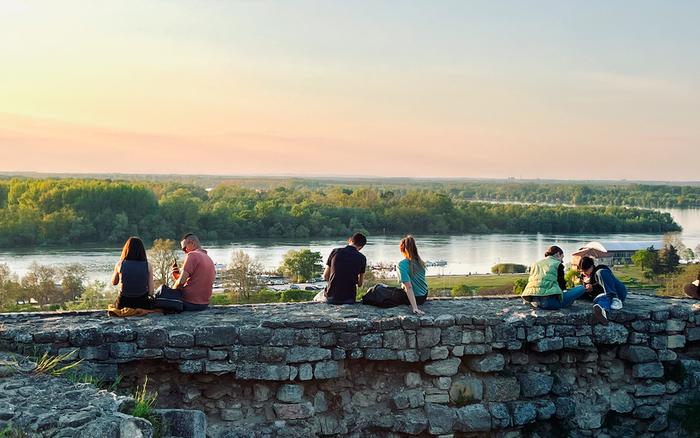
(620, 193)
(56, 211)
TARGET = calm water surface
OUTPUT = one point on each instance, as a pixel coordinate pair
(469, 253)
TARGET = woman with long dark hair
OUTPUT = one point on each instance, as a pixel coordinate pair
(134, 275)
(411, 271)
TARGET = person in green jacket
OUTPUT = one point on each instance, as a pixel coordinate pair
(546, 287)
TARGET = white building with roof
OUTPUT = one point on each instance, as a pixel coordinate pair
(613, 253)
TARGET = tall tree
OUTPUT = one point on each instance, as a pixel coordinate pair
(644, 258)
(302, 265)
(41, 284)
(161, 257)
(73, 277)
(242, 274)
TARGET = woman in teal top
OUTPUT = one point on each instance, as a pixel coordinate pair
(411, 272)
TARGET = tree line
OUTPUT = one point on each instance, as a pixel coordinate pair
(73, 211)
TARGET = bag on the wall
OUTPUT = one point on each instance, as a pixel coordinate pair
(168, 299)
(381, 295)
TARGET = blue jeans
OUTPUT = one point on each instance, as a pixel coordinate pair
(191, 307)
(605, 300)
(553, 302)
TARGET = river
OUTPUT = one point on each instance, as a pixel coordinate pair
(471, 253)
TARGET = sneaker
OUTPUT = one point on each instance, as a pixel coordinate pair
(600, 314)
(616, 304)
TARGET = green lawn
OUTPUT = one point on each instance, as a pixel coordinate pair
(482, 281)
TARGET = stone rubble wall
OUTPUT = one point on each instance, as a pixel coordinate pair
(468, 367)
(40, 405)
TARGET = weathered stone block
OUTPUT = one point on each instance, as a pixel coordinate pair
(262, 371)
(499, 389)
(548, 344)
(445, 367)
(621, 401)
(94, 353)
(466, 389)
(293, 411)
(307, 354)
(215, 336)
(535, 384)
(637, 353)
(83, 337)
(191, 366)
(649, 390)
(500, 416)
(381, 354)
(441, 418)
(427, 337)
(181, 339)
(254, 335)
(545, 409)
(648, 370)
(693, 334)
(327, 370)
(412, 422)
(487, 364)
(152, 338)
(523, 412)
(184, 423)
(473, 418)
(219, 367)
(371, 340)
(122, 350)
(473, 336)
(409, 398)
(613, 333)
(290, 393)
(395, 339)
(439, 352)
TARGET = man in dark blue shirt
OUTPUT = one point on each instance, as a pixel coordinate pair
(345, 270)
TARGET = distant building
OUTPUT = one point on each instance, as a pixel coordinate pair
(612, 253)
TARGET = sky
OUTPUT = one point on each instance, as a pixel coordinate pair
(475, 89)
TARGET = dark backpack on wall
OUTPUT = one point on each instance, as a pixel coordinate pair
(168, 299)
(381, 295)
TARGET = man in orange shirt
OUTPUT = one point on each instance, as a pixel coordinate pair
(196, 278)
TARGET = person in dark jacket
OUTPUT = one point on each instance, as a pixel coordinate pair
(345, 270)
(134, 275)
(693, 289)
(609, 292)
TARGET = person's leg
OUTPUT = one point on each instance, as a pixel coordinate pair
(692, 291)
(603, 300)
(421, 300)
(191, 307)
(571, 295)
(551, 302)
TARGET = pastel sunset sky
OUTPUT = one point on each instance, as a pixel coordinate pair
(531, 89)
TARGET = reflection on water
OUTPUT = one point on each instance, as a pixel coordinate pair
(464, 254)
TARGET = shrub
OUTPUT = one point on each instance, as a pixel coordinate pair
(519, 286)
(508, 268)
(220, 299)
(143, 406)
(296, 295)
(464, 290)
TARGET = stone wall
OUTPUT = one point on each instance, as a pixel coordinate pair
(468, 367)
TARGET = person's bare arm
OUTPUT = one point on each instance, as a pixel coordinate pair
(327, 273)
(408, 288)
(151, 285)
(184, 275)
(115, 274)
(360, 279)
